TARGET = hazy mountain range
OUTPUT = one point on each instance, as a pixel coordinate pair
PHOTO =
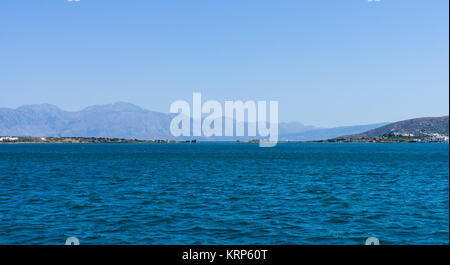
(125, 120)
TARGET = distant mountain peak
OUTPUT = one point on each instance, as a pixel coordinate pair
(118, 106)
(40, 108)
(294, 127)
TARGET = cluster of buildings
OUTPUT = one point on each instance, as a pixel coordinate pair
(436, 137)
(403, 134)
(9, 139)
(424, 137)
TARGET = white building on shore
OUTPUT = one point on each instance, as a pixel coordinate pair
(8, 139)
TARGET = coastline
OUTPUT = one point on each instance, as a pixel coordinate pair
(81, 140)
(78, 140)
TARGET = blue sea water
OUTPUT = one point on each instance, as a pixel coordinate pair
(224, 193)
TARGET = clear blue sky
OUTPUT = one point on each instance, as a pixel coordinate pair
(328, 62)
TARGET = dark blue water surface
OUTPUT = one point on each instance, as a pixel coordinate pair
(224, 193)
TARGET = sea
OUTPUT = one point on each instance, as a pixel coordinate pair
(224, 193)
